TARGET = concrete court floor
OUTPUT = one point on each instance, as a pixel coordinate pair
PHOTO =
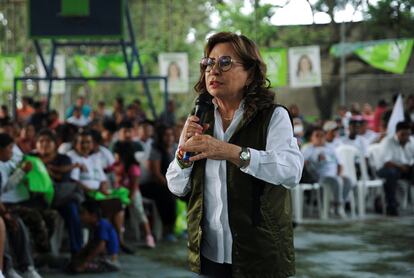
(376, 247)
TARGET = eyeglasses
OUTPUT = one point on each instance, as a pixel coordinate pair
(224, 63)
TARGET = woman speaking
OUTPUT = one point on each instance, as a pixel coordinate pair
(245, 159)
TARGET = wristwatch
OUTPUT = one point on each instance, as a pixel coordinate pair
(244, 157)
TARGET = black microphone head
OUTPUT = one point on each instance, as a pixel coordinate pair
(203, 104)
(204, 99)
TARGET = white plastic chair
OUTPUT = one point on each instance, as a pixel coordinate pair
(374, 152)
(327, 196)
(298, 200)
(347, 155)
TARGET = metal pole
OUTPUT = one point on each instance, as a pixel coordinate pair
(51, 66)
(40, 54)
(343, 66)
(135, 54)
(165, 95)
(14, 99)
(127, 63)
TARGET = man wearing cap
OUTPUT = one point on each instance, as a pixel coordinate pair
(331, 134)
(353, 138)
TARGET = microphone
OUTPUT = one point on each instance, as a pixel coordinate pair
(202, 105)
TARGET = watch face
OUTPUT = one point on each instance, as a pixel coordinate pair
(245, 155)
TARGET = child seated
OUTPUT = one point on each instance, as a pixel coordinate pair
(101, 252)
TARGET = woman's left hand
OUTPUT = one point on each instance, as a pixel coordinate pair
(206, 146)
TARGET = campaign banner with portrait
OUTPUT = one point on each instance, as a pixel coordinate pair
(59, 70)
(175, 67)
(10, 67)
(305, 66)
(277, 66)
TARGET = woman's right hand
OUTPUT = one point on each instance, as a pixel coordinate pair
(191, 128)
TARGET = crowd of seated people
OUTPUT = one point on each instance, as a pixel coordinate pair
(360, 128)
(103, 163)
(99, 165)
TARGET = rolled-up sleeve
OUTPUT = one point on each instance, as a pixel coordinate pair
(282, 162)
(178, 179)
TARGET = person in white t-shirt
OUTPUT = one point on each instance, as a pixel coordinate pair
(322, 159)
(369, 135)
(77, 118)
(91, 178)
(397, 160)
(10, 222)
(353, 138)
(332, 139)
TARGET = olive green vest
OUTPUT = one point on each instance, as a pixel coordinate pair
(260, 214)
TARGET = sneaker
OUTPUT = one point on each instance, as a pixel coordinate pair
(149, 241)
(111, 265)
(341, 212)
(1, 274)
(11, 273)
(31, 273)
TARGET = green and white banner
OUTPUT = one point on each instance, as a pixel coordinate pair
(116, 65)
(90, 66)
(392, 56)
(10, 66)
(388, 55)
(277, 66)
(96, 66)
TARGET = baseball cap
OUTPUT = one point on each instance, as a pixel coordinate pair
(330, 125)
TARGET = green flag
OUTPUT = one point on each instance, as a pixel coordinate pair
(389, 56)
(120, 193)
(10, 67)
(276, 62)
(38, 178)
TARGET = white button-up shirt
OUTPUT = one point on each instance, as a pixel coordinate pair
(392, 151)
(280, 163)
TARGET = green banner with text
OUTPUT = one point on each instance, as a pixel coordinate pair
(10, 67)
(277, 69)
(96, 66)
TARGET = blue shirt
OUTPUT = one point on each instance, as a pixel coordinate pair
(86, 111)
